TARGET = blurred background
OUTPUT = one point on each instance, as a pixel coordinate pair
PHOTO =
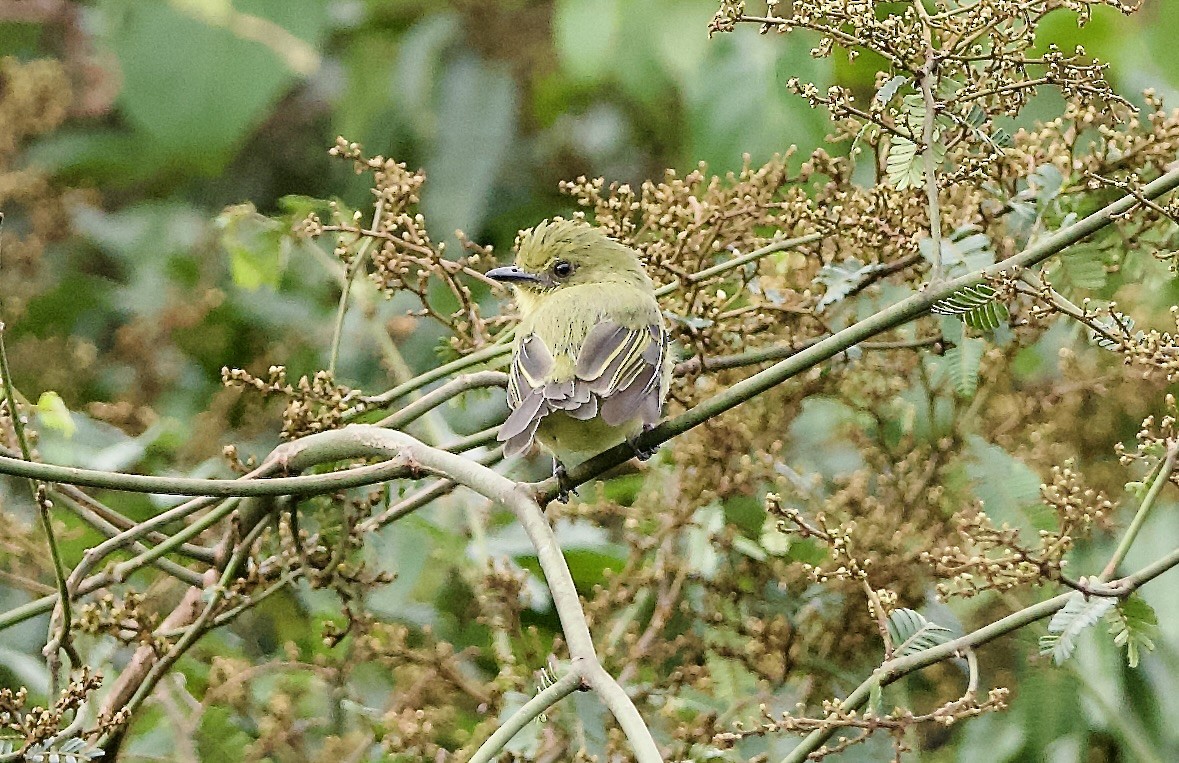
(130, 126)
(157, 115)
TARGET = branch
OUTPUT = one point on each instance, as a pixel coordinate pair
(925, 80)
(569, 683)
(441, 372)
(358, 440)
(243, 487)
(736, 262)
(452, 388)
(889, 318)
(894, 670)
(1166, 469)
(349, 275)
(41, 498)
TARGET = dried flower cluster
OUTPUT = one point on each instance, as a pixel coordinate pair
(998, 558)
(314, 404)
(403, 256)
(803, 530)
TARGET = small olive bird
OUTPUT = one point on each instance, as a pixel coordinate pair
(590, 367)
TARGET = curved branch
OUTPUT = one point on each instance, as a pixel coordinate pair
(242, 487)
(359, 440)
(569, 683)
(435, 398)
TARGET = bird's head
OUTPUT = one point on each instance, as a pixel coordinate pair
(561, 253)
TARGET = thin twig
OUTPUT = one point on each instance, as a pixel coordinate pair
(350, 272)
(1166, 469)
(894, 670)
(533, 708)
(43, 506)
(437, 397)
(926, 80)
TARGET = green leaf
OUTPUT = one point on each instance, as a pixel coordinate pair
(1133, 624)
(219, 736)
(976, 306)
(963, 360)
(876, 700)
(773, 541)
(736, 103)
(840, 279)
(256, 244)
(700, 554)
(965, 250)
(731, 680)
(585, 34)
(1084, 268)
(1004, 484)
(53, 414)
(890, 88)
(913, 112)
(1117, 325)
(1079, 613)
(1046, 182)
(192, 78)
(422, 49)
(903, 164)
(466, 159)
(911, 632)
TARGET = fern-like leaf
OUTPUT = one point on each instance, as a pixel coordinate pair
(1084, 269)
(1080, 613)
(911, 632)
(1115, 325)
(975, 306)
(903, 164)
(1133, 623)
(841, 279)
(963, 360)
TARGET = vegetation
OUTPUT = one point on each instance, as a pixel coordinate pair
(913, 498)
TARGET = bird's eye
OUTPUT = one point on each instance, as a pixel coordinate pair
(562, 269)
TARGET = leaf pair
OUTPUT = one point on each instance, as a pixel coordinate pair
(1132, 622)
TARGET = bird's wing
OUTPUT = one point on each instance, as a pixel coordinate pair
(618, 375)
(624, 368)
(531, 364)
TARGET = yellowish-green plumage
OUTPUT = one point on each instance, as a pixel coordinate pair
(590, 366)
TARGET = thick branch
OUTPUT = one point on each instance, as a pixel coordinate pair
(889, 318)
(356, 441)
(243, 487)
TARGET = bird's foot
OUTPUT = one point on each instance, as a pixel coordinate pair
(643, 454)
(565, 490)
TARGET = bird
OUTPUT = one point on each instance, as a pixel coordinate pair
(590, 364)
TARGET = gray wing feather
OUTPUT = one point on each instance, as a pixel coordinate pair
(602, 344)
(520, 418)
(585, 411)
(624, 404)
(534, 360)
(520, 442)
(618, 375)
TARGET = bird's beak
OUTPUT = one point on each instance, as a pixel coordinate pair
(512, 274)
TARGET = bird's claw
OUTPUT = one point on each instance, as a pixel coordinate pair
(564, 489)
(643, 454)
